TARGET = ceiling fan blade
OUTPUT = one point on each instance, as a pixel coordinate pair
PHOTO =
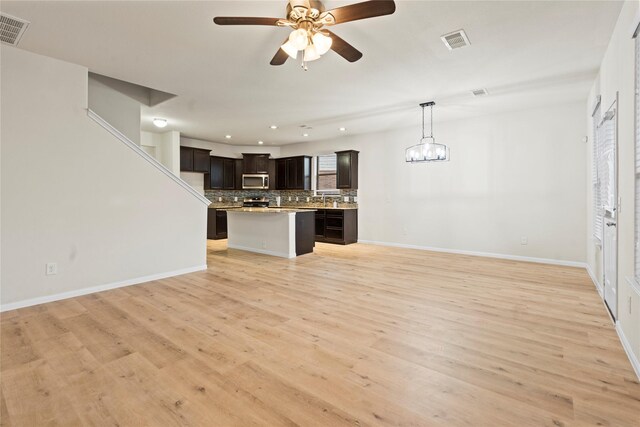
(364, 10)
(281, 56)
(244, 20)
(343, 48)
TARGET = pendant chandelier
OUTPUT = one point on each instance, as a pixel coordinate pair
(427, 150)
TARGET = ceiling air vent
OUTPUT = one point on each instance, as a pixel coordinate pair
(455, 40)
(11, 28)
(479, 92)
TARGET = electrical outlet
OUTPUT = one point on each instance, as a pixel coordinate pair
(355, 199)
(308, 199)
(52, 268)
(235, 199)
(297, 198)
(289, 198)
(524, 240)
(219, 199)
(346, 199)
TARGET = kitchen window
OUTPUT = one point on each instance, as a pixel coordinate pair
(326, 174)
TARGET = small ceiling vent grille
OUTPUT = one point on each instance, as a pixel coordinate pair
(11, 28)
(480, 92)
(455, 40)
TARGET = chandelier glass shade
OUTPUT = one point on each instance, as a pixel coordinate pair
(428, 150)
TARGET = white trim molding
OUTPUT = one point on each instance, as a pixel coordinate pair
(85, 291)
(635, 363)
(115, 132)
(261, 251)
(595, 280)
(482, 254)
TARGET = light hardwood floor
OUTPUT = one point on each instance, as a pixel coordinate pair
(357, 335)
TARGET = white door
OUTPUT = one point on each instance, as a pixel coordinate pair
(610, 247)
(608, 170)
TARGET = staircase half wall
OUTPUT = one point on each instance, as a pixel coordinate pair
(75, 195)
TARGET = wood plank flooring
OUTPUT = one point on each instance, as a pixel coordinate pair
(357, 335)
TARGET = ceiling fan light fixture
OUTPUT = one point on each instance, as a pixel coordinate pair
(311, 53)
(290, 49)
(299, 39)
(322, 43)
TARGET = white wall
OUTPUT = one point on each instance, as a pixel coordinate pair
(227, 150)
(75, 195)
(617, 76)
(512, 175)
(165, 148)
(120, 110)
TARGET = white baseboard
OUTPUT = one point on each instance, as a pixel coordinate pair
(99, 288)
(260, 251)
(482, 254)
(635, 363)
(595, 280)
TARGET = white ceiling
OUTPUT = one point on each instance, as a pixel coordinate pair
(526, 54)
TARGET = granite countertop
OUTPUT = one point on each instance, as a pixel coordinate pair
(214, 206)
(268, 210)
(320, 207)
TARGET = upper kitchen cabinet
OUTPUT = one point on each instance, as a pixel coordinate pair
(194, 159)
(347, 169)
(293, 173)
(222, 173)
(255, 163)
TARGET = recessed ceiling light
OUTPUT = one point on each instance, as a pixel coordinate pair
(342, 129)
(228, 136)
(260, 142)
(273, 127)
(305, 134)
(159, 122)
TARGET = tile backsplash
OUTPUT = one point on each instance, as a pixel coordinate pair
(228, 197)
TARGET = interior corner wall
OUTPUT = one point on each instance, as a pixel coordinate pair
(75, 195)
(121, 111)
(166, 148)
(617, 78)
(511, 175)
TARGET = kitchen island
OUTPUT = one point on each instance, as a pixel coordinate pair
(282, 232)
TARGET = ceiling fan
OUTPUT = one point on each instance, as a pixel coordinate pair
(307, 19)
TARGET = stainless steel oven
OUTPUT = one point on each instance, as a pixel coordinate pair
(255, 181)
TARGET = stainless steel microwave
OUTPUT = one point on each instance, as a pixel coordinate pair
(255, 181)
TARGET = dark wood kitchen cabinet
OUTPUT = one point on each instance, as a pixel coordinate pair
(336, 226)
(216, 224)
(293, 173)
(194, 159)
(238, 173)
(222, 175)
(347, 169)
(255, 163)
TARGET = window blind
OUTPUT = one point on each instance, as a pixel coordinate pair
(606, 164)
(595, 182)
